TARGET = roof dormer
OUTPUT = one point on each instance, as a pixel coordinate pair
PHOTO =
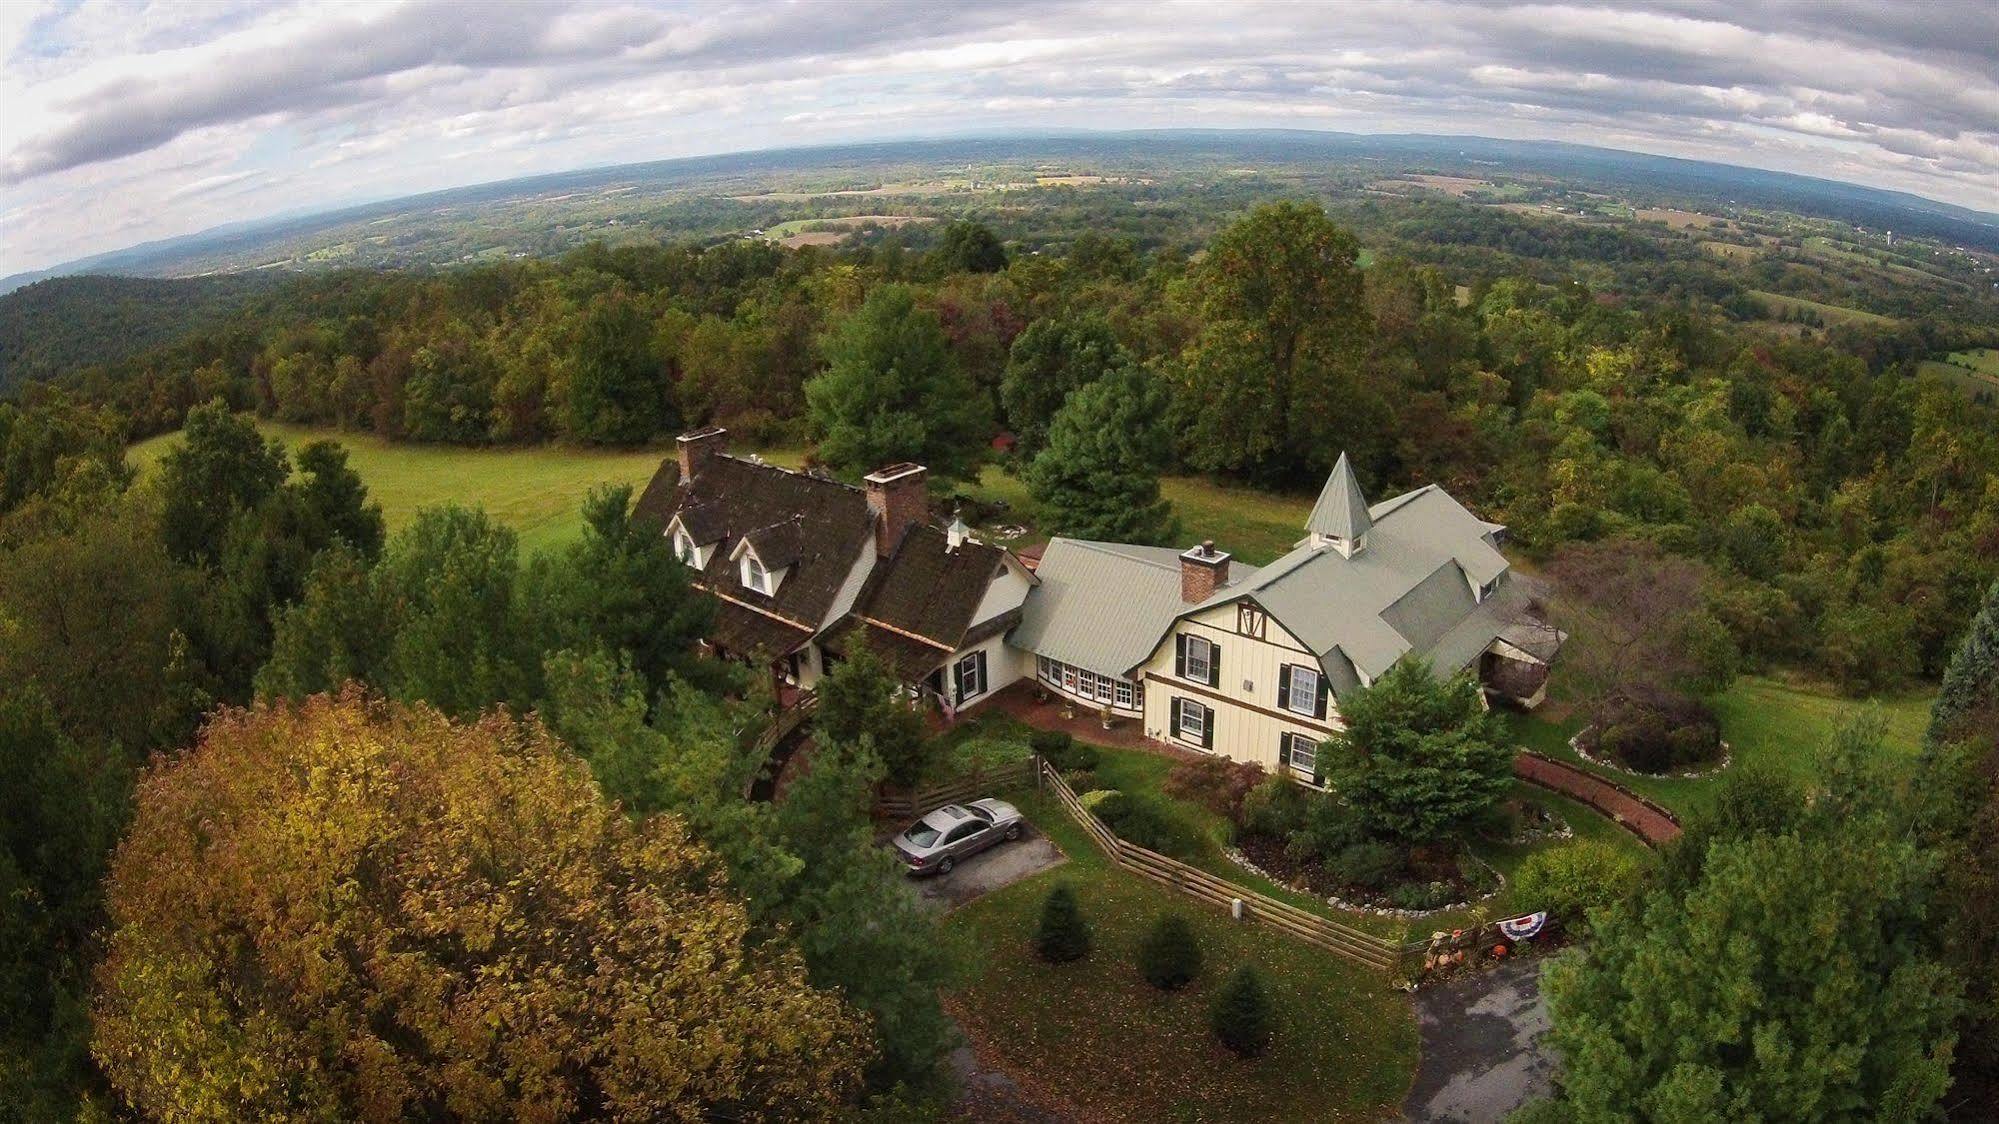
(1340, 519)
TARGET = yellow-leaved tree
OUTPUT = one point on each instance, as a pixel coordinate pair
(346, 908)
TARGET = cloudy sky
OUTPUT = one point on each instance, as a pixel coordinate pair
(122, 122)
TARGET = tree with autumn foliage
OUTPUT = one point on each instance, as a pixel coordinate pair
(351, 909)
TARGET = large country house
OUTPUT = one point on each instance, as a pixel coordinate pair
(1250, 663)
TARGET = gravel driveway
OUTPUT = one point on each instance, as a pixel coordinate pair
(1002, 864)
(1483, 1054)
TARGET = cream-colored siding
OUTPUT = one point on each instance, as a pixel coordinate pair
(1003, 666)
(1249, 720)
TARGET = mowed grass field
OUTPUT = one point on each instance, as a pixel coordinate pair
(1833, 313)
(1768, 723)
(1975, 371)
(1254, 526)
(536, 491)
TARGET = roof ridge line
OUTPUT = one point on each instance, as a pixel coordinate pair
(798, 472)
(1100, 548)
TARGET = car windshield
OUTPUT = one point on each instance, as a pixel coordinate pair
(981, 813)
(923, 835)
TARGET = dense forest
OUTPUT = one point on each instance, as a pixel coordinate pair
(1827, 510)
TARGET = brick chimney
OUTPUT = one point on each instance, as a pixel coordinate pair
(696, 447)
(899, 496)
(1203, 570)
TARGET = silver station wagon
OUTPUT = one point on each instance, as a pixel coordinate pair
(935, 843)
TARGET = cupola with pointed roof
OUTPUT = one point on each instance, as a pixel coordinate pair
(1339, 519)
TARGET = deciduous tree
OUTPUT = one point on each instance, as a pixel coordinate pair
(352, 909)
(1048, 362)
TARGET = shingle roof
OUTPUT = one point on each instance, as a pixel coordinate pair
(815, 526)
(1341, 511)
(928, 589)
(747, 632)
(1104, 606)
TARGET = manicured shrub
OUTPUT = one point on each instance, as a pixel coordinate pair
(1095, 798)
(1373, 865)
(1063, 935)
(1571, 880)
(1064, 752)
(1422, 895)
(1241, 1014)
(1215, 783)
(1276, 808)
(1657, 731)
(1169, 957)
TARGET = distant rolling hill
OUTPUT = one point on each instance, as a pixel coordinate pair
(58, 325)
(290, 241)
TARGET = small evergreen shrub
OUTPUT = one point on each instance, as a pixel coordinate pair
(1373, 865)
(1241, 1014)
(1422, 895)
(1063, 751)
(1095, 798)
(1063, 935)
(1169, 957)
(1275, 808)
(1146, 822)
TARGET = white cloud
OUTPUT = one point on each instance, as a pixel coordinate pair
(130, 122)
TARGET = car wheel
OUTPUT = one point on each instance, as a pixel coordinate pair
(1012, 832)
(945, 866)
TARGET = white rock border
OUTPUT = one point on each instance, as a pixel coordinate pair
(1237, 857)
(1727, 758)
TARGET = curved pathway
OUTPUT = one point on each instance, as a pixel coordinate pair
(1641, 817)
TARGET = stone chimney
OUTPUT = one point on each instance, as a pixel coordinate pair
(1203, 570)
(697, 447)
(899, 498)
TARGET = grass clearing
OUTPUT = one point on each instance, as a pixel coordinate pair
(1254, 526)
(1767, 723)
(538, 491)
(1094, 1034)
(1778, 303)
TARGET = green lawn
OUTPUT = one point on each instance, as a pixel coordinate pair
(1254, 526)
(1766, 723)
(1833, 313)
(1096, 1035)
(538, 490)
(1975, 371)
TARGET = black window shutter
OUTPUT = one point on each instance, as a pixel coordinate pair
(957, 683)
(981, 664)
(1284, 686)
(1214, 664)
(1174, 713)
(1180, 654)
(1207, 727)
(1319, 711)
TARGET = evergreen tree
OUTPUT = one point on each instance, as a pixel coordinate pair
(1099, 476)
(1063, 934)
(1971, 683)
(861, 702)
(1047, 363)
(1241, 1014)
(221, 466)
(1421, 760)
(891, 393)
(970, 247)
(1168, 956)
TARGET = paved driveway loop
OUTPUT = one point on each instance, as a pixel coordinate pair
(1483, 1048)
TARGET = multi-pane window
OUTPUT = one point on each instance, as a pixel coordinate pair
(1104, 687)
(1193, 719)
(683, 547)
(1068, 678)
(1200, 659)
(1086, 683)
(1126, 697)
(1301, 753)
(1304, 694)
(972, 676)
(754, 575)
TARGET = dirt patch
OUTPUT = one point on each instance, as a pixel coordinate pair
(1674, 219)
(811, 238)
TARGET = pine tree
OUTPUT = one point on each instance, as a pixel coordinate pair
(1971, 683)
(1099, 476)
(1064, 935)
(1241, 1015)
(1169, 958)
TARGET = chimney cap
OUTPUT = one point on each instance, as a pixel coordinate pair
(701, 434)
(891, 473)
(1205, 554)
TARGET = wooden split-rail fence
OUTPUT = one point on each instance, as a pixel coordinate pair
(912, 803)
(1341, 940)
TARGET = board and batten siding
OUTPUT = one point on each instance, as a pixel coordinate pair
(1249, 722)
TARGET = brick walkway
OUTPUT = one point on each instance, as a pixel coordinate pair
(1648, 821)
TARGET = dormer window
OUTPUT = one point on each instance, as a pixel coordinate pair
(755, 576)
(684, 548)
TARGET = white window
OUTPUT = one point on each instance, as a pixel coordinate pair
(1193, 720)
(1045, 667)
(1301, 753)
(1200, 659)
(754, 575)
(972, 676)
(1304, 697)
(1086, 683)
(683, 547)
(1104, 687)
(1068, 678)
(1125, 697)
